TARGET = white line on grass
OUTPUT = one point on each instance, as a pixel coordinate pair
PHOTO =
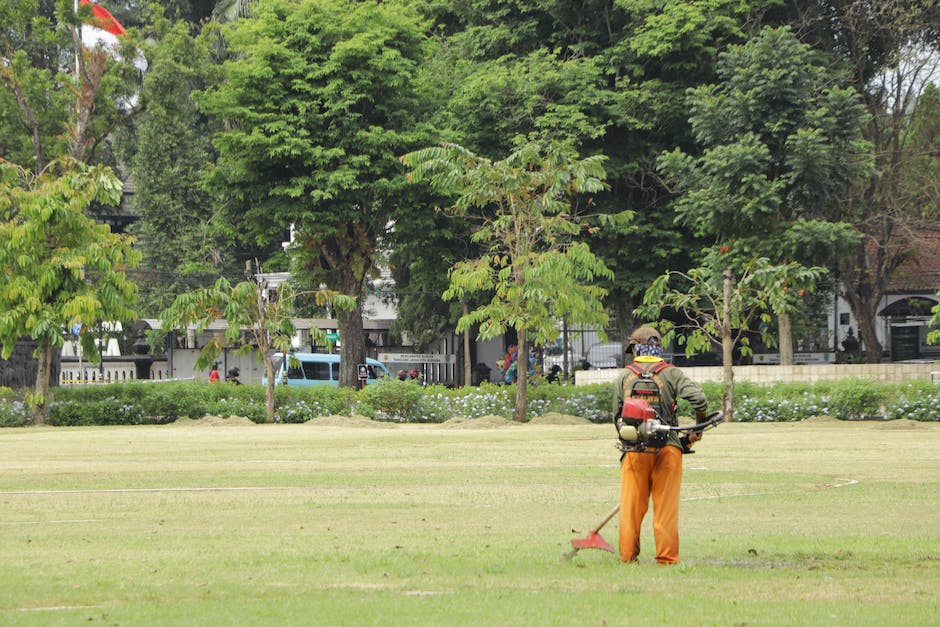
(59, 608)
(826, 486)
(146, 490)
(50, 522)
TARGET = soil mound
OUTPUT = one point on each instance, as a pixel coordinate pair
(215, 421)
(902, 423)
(483, 422)
(821, 419)
(555, 418)
(349, 421)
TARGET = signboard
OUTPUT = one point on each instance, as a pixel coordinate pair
(332, 335)
(417, 358)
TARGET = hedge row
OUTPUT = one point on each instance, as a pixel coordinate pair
(406, 401)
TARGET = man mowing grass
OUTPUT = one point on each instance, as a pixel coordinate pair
(652, 460)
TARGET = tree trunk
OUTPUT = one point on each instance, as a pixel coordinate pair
(41, 393)
(352, 352)
(467, 362)
(269, 408)
(522, 377)
(865, 307)
(727, 348)
(862, 278)
(785, 339)
(567, 368)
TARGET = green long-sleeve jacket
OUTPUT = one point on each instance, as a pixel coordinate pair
(676, 386)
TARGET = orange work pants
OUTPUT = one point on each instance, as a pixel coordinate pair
(656, 474)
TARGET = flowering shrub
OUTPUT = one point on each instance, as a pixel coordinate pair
(243, 407)
(857, 399)
(435, 406)
(138, 403)
(780, 410)
(302, 410)
(110, 411)
(13, 413)
(392, 397)
(486, 400)
(920, 404)
(594, 406)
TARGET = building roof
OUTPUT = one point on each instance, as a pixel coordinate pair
(920, 273)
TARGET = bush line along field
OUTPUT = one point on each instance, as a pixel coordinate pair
(406, 401)
(228, 522)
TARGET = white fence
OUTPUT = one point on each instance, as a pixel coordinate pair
(107, 372)
(803, 373)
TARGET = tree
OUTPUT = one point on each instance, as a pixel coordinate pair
(782, 145)
(247, 305)
(63, 271)
(608, 76)
(890, 50)
(318, 101)
(934, 336)
(534, 270)
(719, 304)
(58, 96)
(179, 231)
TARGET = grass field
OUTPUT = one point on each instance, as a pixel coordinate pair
(209, 523)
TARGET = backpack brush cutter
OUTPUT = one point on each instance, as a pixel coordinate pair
(634, 439)
(640, 428)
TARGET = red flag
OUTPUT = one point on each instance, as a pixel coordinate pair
(102, 29)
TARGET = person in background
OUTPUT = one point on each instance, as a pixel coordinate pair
(214, 373)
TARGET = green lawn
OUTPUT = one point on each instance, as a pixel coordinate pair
(815, 523)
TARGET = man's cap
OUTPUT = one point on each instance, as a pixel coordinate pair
(645, 335)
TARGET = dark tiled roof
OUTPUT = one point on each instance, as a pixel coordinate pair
(921, 273)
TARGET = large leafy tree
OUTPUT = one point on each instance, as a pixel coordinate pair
(59, 102)
(890, 50)
(179, 229)
(58, 96)
(782, 146)
(64, 271)
(608, 75)
(531, 268)
(319, 100)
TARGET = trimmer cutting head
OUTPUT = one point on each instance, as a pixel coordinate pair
(592, 541)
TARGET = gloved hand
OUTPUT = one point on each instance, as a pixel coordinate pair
(695, 436)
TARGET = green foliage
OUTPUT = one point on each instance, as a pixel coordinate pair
(917, 402)
(299, 404)
(530, 267)
(110, 411)
(856, 400)
(182, 245)
(62, 267)
(757, 289)
(530, 263)
(64, 270)
(245, 306)
(46, 112)
(934, 335)
(406, 401)
(397, 399)
(13, 412)
(319, 99)
(781, 144)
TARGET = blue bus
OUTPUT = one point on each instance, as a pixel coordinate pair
(318, 369)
